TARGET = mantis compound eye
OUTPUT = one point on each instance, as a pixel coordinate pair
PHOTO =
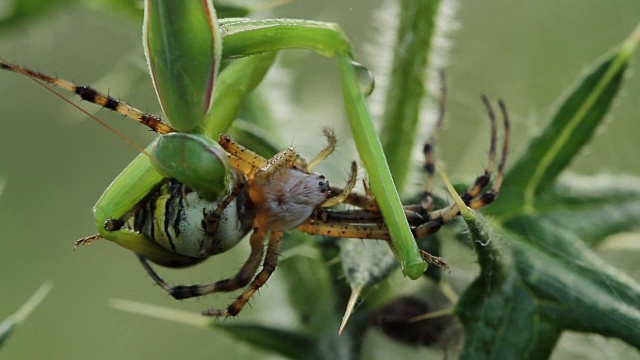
(194, 160)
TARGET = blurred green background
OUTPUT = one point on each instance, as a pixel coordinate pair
(56, 162)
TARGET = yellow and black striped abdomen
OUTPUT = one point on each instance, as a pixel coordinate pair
(181, 221)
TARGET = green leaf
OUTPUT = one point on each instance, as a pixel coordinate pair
(545, 282)
(286, 343)
(568, 278)
(571, 126)
(595, 206)
(538, 277)
(500, 321)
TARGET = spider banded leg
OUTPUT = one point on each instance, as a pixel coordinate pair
(362, 201)
(430, 160)
(211, 220)
(444, 215)
(482, 180)
(241, 153)
(472, 196)
(324, 153)
(89, 94)
(282, 160)
(363, 216)
(244, 167)
(253, 164)
(366, 231)
(240, 280)
(429, 149)
(268, 267)
(287, 157)
(344, 194)
(482, 201)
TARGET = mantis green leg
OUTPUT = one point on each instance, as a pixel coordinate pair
(402, 242)
(244, 37)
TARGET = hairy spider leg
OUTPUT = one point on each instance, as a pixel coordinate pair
(90, 94)
(268, 267)
(428, 150)
(238, 281)
(328, 150)
(241, 165)
(285, 159)
(253, 164)
(482, 201)
(212, 219)
(344, 194)
(443, 215)
(426, 204)
(482, 180)
(473, 196)
(361, 216)
(346, 230)
(361, 231)
(241, 153)
(364, 201)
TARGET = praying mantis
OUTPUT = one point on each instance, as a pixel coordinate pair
(187, 197)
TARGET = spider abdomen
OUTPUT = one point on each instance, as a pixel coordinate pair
(181, 221)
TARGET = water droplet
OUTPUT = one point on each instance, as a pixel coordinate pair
(365, 78)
